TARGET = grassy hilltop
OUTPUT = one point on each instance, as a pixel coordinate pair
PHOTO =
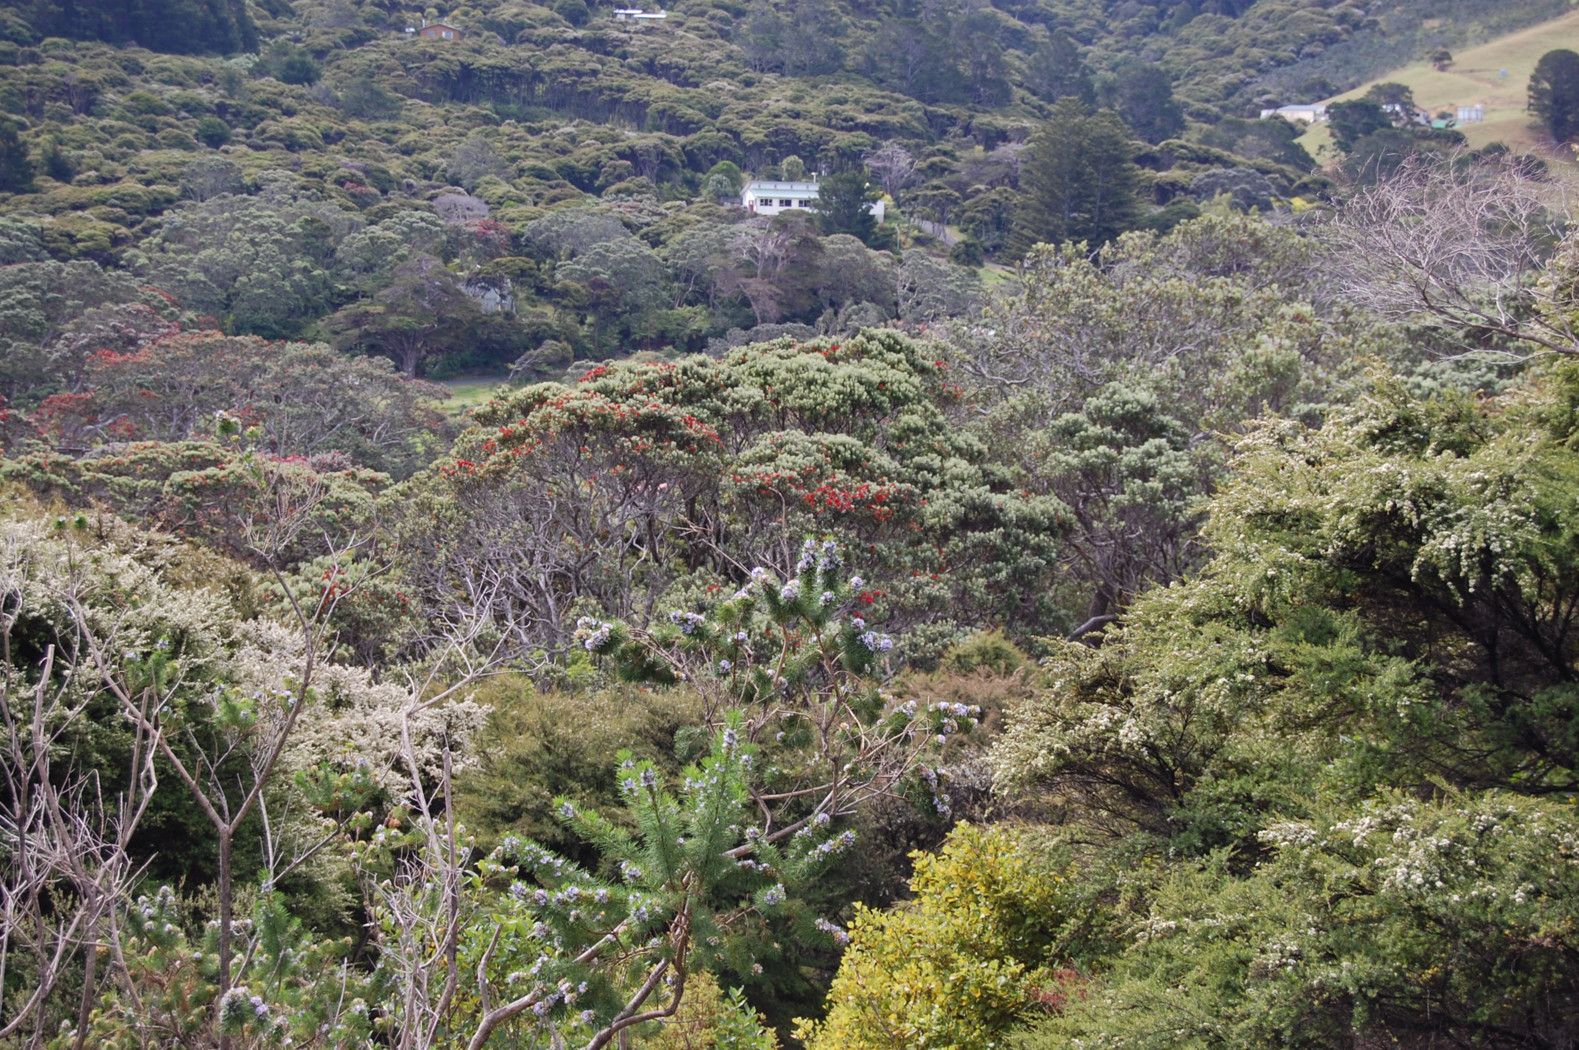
(1494, 74)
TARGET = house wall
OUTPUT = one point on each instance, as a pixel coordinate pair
(770, 201)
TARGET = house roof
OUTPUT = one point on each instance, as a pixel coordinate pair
(790, 188)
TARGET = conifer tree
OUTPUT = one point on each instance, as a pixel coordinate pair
(1554, 93)
(1079, 181)
(843, 205)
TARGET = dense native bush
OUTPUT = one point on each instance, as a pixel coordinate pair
(55, 314)
(1111, 382)
(334, 767)
(1320, 786)
(1346, 560)
(133, 611)
(112, 131)
(95, 628)
(1402, 919)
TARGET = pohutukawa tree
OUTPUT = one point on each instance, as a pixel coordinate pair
(642, 476)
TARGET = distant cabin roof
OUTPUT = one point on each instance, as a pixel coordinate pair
(765, 185)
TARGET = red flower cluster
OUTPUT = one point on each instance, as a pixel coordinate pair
(837, 494)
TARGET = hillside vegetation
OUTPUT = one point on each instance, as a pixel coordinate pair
(467, 581)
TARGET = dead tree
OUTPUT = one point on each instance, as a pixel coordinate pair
(1459, 245)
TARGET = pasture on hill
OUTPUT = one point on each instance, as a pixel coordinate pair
(1495, 74)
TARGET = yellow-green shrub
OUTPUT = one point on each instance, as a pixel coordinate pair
(957, 966)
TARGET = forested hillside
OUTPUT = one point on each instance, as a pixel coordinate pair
(1084, 577)
(549, 187)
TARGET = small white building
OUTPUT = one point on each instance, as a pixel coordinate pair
(1471, 114)
(1314, 113)
(765, 197)
(636, 14)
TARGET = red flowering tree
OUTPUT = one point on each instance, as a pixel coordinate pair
(641, 475)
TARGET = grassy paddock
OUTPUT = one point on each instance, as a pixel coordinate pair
(469, 391)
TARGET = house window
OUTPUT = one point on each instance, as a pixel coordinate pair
(786, 203)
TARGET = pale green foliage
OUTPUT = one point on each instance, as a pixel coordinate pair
(930, 290)
(567, 232)
(711, 1019)
(631, 270)
(1134, 479)
(1344, 558)
(21, 240)
(212, 656)
(1353, 718)
(1211, 314)
(370, 255)
(1111, 383)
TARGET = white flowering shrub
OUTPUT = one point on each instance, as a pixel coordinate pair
(1386, 606)
(189, 736)
(1345, 751)
(354, 721)
(1454, 917)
